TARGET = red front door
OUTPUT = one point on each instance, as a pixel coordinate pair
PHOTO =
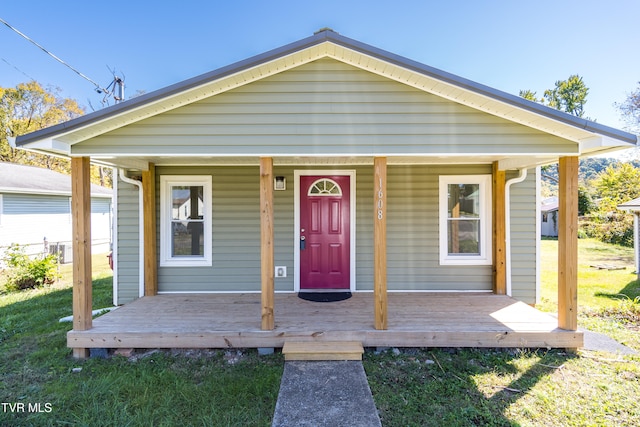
(324, 232)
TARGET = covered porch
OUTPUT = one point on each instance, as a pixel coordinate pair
(421, 319)
(377, 318)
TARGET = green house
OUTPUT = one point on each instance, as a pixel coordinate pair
(330, 166)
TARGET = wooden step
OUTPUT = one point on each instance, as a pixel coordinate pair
(322, 350)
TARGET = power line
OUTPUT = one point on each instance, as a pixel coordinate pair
(17, 69)
(98, 88)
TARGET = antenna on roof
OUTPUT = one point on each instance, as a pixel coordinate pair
(118, 90)
(116, 87)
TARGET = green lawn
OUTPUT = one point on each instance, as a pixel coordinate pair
(208, 388)
(473, 387)
(608, 300)
(416, 387)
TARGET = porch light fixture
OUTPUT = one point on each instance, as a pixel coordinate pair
(280, 183)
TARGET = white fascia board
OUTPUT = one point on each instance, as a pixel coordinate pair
(50, 144)
(629, 208)
(529, 161)
(602, 141)
(116, 161)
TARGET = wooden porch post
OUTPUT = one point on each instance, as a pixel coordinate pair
(266, 243)
(568, 244)
(149, 226)
(380, 242)
(499, 231)
(81, 229)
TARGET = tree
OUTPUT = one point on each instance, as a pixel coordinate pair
(630, 110)
(530, 95)
(618, 183)
(29, 107)
(569, 95)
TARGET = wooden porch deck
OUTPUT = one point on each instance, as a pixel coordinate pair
(414, 320)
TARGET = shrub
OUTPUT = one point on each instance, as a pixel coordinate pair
(25, 272)
(611, 227)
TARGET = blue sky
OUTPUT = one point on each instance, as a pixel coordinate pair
(506, 44)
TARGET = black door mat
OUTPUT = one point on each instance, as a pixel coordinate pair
(324, 296)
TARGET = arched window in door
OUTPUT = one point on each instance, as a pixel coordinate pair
(325, 187)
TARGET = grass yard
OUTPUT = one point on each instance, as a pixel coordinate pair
(411, 387)
(208, 388)
(469, 387)
(608, 300)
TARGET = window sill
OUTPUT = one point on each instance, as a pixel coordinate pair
(177, 262)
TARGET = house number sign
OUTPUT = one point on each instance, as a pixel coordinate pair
(380, 203)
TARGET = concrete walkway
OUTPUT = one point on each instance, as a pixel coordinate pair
(332, 393)
(336, 393)
(596, 341)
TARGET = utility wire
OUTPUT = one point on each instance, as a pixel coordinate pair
(17, 69)
(98, 88)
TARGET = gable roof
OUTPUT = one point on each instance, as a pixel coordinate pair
(631, 205)
(591, 137)
(549, 204)
(23, 179)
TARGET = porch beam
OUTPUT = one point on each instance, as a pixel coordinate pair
(266, 243)
(380, 243)
(568, 244)
(81, 229)
(149, 230)
(499, 231)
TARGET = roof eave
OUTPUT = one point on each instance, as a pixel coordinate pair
(630, 206)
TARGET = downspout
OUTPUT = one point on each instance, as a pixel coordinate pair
(114, 234)
(507, 195)
(140, 230)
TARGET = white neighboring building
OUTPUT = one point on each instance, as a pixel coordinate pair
(35, 205)
(633, 206)
(549, 217)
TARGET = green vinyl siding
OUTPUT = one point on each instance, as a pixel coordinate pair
(524, 239)
(413, 262)
(127, 270)
(235, 234)
(325, 107)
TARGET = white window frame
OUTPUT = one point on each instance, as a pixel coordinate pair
(485, 255)
(166, 182)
